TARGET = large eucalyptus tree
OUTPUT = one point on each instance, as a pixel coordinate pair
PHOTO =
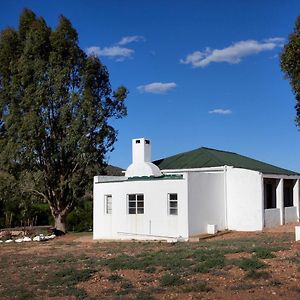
(55, 107)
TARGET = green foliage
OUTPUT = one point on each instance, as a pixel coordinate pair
(143, 296)
(170, 260)
(249, 264)
(114, 277)
(18, 208)
(170, 280)
(253, 274)
(290, 65)
(201, 268)
(81, 218)
(263, 253)
(71, 276)
(198, 286)
(150, 269)
(127, 285)
(55, 106)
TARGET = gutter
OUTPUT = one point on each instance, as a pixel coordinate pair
(213, 169)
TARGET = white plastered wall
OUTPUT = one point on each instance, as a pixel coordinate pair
(206, 201)
(244, 199)
(155, 223)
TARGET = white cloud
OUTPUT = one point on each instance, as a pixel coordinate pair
(117, 52)
(220, 111)
(94, 50)
(131, 38)
(278, 40)
(232, 54)
(156, 87)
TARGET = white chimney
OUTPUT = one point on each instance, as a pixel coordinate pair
(141, 160)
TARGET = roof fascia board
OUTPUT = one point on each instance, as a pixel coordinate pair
(279, 176)
(214, 169)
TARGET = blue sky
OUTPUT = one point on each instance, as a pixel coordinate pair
(200, 73)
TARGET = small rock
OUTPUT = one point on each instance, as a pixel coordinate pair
(8, 241)
(26, 239)
(19, 240)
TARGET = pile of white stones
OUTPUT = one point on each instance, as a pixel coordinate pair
(38, 238)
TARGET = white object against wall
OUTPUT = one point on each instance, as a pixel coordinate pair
(297, 233)
(211, 228)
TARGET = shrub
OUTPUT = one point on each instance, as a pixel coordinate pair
(248, 264)
(199, 286)
(258, 274)
(263, 253)
(143, 296)
(170, 280)
(127, 285)
(114, 277)
(201, 268)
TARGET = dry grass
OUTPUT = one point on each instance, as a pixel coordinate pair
(65, 268)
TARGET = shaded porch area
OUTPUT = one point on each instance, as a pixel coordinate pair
(281, 200)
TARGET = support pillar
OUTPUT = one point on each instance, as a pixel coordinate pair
(296, 197)
(279, 200)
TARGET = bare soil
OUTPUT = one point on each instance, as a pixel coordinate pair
(237, 265)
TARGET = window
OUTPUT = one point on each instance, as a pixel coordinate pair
(173, 204)
(135, 204)
(108, 204)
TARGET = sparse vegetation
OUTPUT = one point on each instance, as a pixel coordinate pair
(170, 280)
(249, 264)
(258, 274)
(114, 277)
(263, 253)
(142, 270)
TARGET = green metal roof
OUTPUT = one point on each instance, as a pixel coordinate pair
(206, 157)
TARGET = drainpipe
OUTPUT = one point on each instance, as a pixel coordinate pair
(262, 201)
(225, 195)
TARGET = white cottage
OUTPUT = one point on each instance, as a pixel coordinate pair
(191, 193)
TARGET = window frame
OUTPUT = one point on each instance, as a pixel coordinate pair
(108, 204)
(170, 207)
(137, 204)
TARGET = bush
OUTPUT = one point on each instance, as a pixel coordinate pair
(248, 264)
(263, 253)
(81, 218)
(170, 280)
(114, 277)
(258, 274)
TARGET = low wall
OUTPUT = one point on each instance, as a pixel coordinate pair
(272, 217)
(290, 214)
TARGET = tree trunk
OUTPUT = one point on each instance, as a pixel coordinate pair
(60, 222)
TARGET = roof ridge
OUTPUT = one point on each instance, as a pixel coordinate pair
(213, 155)
(225, 151)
